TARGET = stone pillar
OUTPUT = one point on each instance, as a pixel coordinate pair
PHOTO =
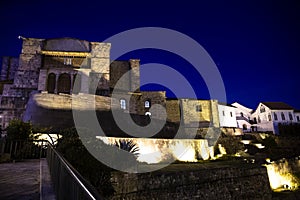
(215, 121)
(71, 88)
(100, 57)
(134, 75)
(85, 73)
(43, 78)
(56, 82)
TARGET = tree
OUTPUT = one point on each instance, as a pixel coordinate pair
(19, 130)
(73, 150)
(129, 146)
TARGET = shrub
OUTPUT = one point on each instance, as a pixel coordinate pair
(231, 144)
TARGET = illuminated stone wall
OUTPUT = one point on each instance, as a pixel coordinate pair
(15, 97)
(195, 113)
(62, 56)
(9, 67)
(156, 150)
(210, 181)
(173, 110)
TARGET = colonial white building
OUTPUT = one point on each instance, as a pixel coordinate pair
(243, 117)
(269, 115)
(227, 117)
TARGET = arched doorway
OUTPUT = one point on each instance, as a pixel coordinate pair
(51, 83)
(64, 83)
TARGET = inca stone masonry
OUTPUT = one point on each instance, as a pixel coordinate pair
(49, 72)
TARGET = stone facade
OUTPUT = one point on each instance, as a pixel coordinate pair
(9, 67)
(60, 66)
(193, 112)
(67, 66)
(198, 182)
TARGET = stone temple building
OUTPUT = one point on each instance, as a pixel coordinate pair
(49, 73)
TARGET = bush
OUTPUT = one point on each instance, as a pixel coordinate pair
(89, 167)
(231, 144)
(269, 142)
(19, 130)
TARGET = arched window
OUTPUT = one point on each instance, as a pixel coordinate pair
(51, 83)
(64, 83)
(255, 121)
(147, 104)
(244, 127)
(282, 116)
(76, 83)
(123, 104)
(242, 114)
(258, 119)
(262, 109)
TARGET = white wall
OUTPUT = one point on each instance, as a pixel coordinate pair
(266, 120)
(243, 114)
(227, 116)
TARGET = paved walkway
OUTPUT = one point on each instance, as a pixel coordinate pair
(26, 180)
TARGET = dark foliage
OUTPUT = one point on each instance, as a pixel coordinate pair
(19, 130)
(289, 129)
(98, 174)
(129, 146)
(231, 144)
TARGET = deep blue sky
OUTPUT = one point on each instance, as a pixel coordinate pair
(255, 44)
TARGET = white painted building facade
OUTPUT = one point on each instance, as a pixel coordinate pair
(243, 117)
(269, 115)
(227, 115)
(227, 118)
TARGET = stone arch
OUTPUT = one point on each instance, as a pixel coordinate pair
(64, 83)
(51, 83)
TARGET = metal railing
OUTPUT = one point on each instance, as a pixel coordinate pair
(23, 149)
(67, 182)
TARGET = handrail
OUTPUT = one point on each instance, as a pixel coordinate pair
(23, 149)
(81, 188)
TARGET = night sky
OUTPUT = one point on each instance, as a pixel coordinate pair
(255, 44)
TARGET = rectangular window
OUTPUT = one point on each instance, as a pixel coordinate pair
(68, 61)
(230, 114)
(275, 117)
(223, 112)
(298, 119)
(199, 108)
(269, 117)
(290, 116)
(123, 104)
(282, 116)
